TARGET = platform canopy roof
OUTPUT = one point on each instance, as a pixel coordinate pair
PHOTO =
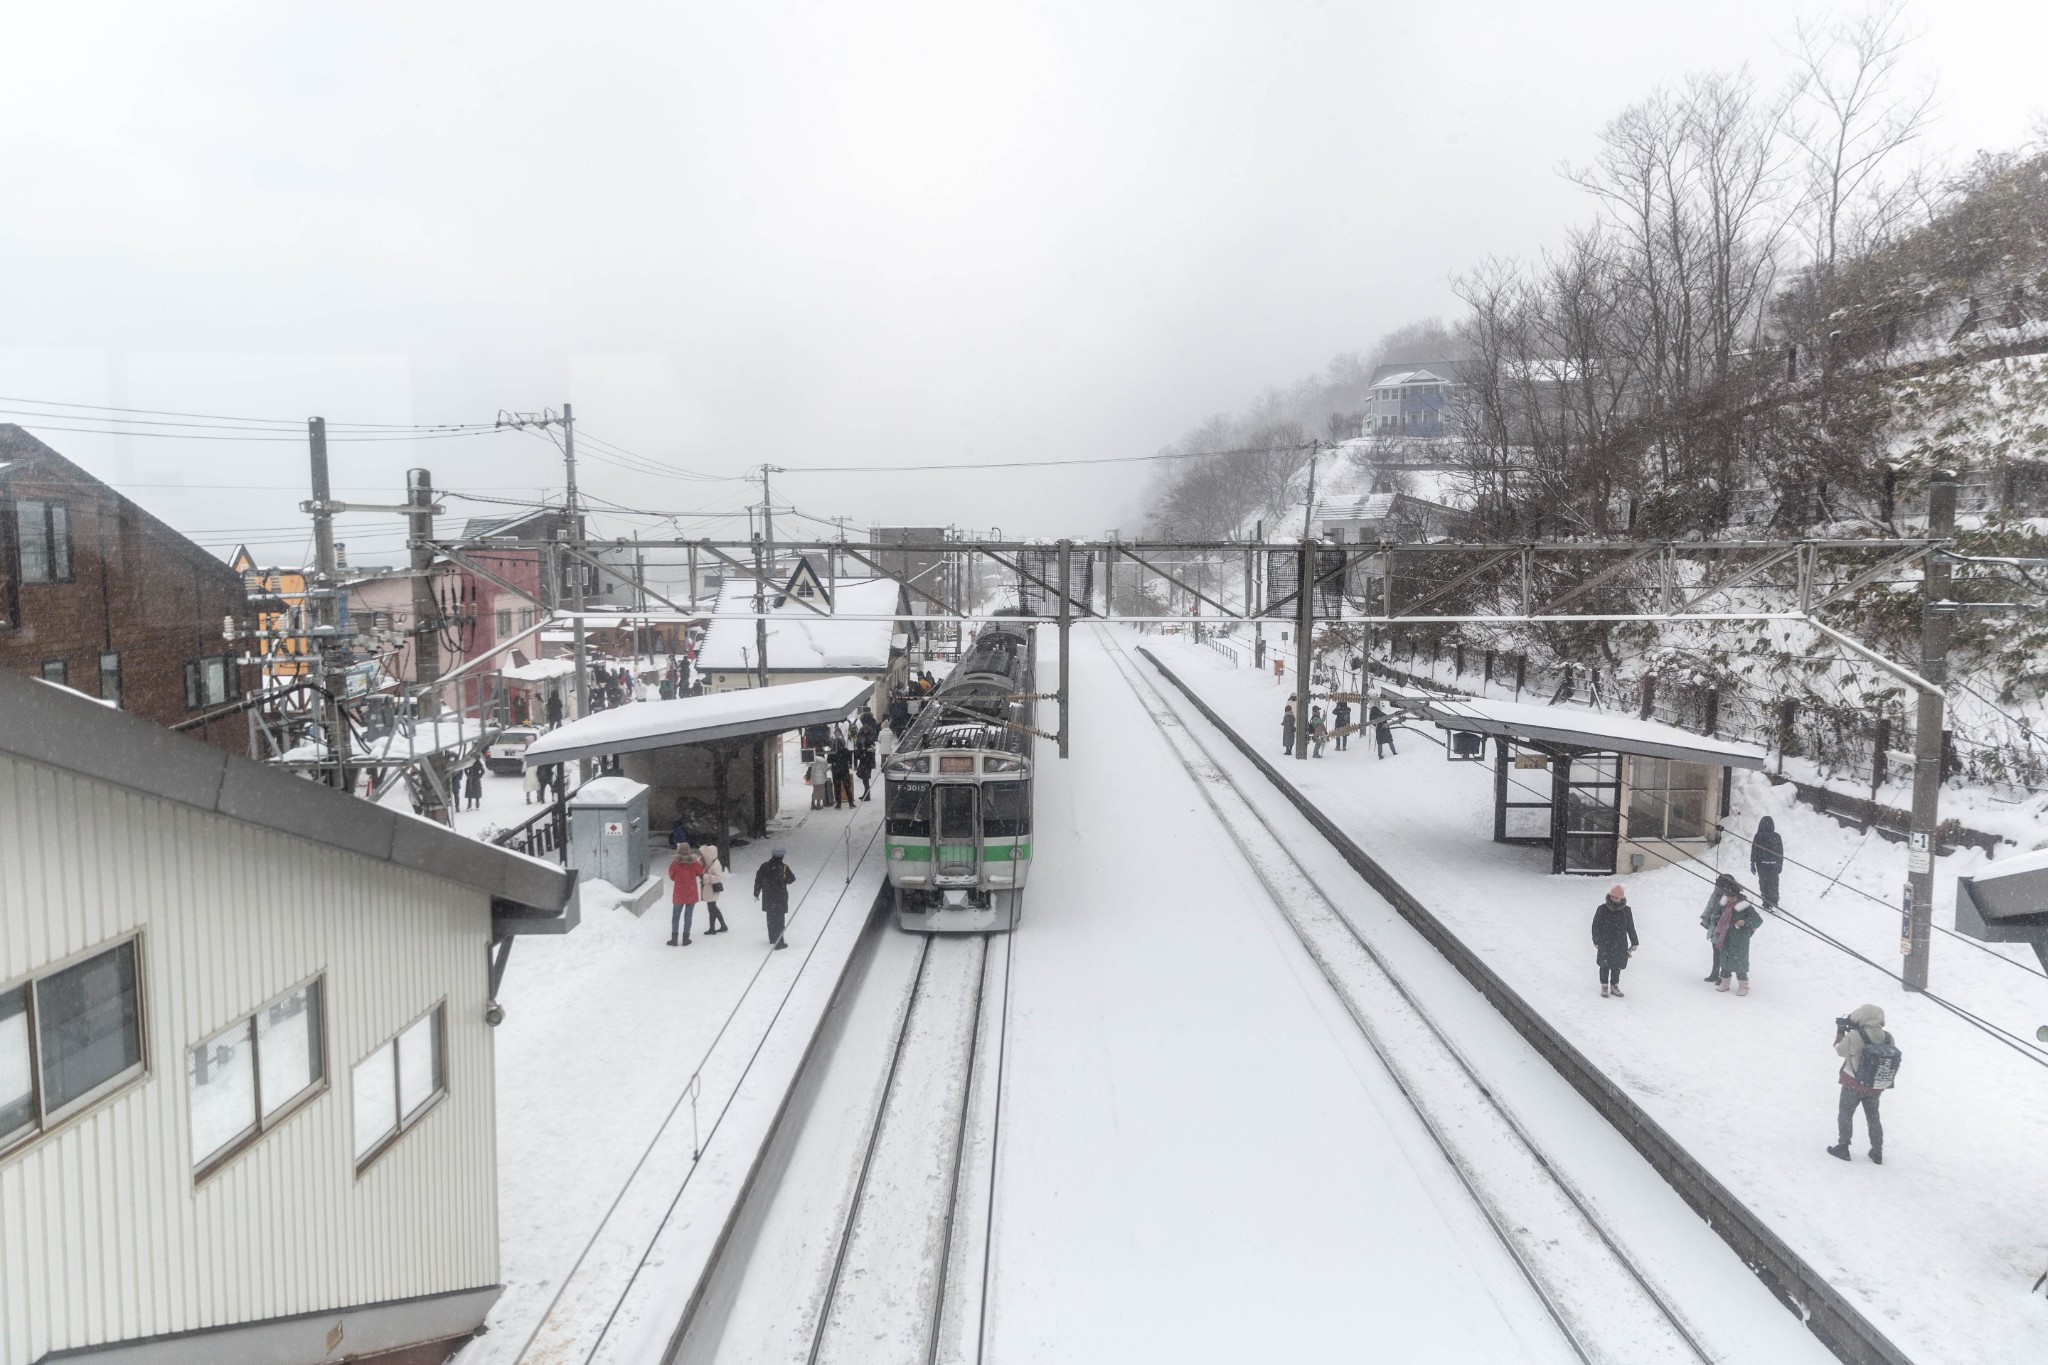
(699, 720)
(1576, 728)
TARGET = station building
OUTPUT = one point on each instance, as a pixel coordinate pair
(247, 1110)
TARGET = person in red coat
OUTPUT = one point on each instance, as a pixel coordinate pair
(687, 875)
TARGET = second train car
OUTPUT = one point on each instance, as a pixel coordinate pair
(958, 792)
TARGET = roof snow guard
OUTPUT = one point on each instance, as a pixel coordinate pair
(60, 729)
(1573, 728)
(700, 720)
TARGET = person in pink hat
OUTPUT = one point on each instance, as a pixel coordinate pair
(1614, 938)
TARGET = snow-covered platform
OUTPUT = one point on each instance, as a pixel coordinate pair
(1938, 1247)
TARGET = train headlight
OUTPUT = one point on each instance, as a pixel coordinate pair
(1002, 765)
(897, 853)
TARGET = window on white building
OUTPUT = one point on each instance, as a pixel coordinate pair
(1668, 798)
(255, 1073)
(68, 1038)
(397, 1084)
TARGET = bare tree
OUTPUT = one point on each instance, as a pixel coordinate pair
(1859, 110)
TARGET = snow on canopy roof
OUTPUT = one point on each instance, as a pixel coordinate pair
(1600, 731)
(801, 640)
(2012, 867)
(540, 670)
(697, 720)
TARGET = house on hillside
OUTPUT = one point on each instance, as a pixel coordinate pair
(1376, 517)
(819, 627)
(247, 1109)
(1413, 400)
(99, 596)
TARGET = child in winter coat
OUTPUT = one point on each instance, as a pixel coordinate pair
(1614, 938)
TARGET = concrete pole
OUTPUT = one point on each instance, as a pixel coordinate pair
(1936, 625)
(1066, 622)
(329, 660)
(576, 570)
(1304, 653)
(426, 629)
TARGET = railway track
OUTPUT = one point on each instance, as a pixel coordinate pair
(870, 1241)
(1604, 1304)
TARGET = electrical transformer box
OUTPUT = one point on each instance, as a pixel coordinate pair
(608, 831)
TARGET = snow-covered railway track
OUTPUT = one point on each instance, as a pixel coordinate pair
(1605, 1305)
(903, 1271)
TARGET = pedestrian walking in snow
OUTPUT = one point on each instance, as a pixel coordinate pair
(554, 709)
(1731, 928)
(1864, 1078)
(841, 763)
(686, 874)
(1342, 733)
(1318, 733)
(864, 763)
(1767, 859)
(771, 888)
(1614, 938)
(712, 881)
(1383, 732)
(1287, 730)
(819, 775)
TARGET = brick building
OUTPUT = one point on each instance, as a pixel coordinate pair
(99, 595)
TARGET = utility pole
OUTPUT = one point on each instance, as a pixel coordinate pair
(764, 564)
(1066, 621)
(331, 669)
(1937, 623)
(576, 571)
(1308, 509)
(1255, 591)
(426, 632)
(1304, 628)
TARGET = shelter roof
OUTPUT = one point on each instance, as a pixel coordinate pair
(1576, 727)
(2015, 866)
(59, 728)
(800, 639)
(699, 720)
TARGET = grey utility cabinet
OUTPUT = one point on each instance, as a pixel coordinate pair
(608, 831)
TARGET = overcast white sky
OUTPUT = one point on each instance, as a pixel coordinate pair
(802, 233)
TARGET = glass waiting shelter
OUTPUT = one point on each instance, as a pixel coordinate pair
(1603, 792)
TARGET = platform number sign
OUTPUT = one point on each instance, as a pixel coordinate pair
(1919, 858)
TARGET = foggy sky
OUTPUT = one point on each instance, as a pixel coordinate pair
(807, 234)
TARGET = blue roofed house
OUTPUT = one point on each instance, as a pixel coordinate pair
(1413, 399)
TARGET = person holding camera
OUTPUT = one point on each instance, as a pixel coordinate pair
(1870, 1062)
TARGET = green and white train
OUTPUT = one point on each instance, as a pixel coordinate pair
(958, 789)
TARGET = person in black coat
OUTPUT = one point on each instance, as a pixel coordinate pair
(1767, 859)
(473, 783)
(554, 709)
(771, 888)
(841, 761)
(1342, 719)
(864, 764)
(1614, 938)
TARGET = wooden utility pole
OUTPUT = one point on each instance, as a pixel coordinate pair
(1937, 623)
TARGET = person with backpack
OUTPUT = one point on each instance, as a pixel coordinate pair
(1767, 859)
(1870, 1064)
(1614, 938)
(687, 875)
(840, 762)
(1731, 929)
(771, 888)
(713, 881)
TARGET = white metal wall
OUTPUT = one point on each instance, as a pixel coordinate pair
(103, 1235)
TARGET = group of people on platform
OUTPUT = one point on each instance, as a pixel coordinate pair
(839, 754)
(1337, 727)
(696, 877)
(1730, 920)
